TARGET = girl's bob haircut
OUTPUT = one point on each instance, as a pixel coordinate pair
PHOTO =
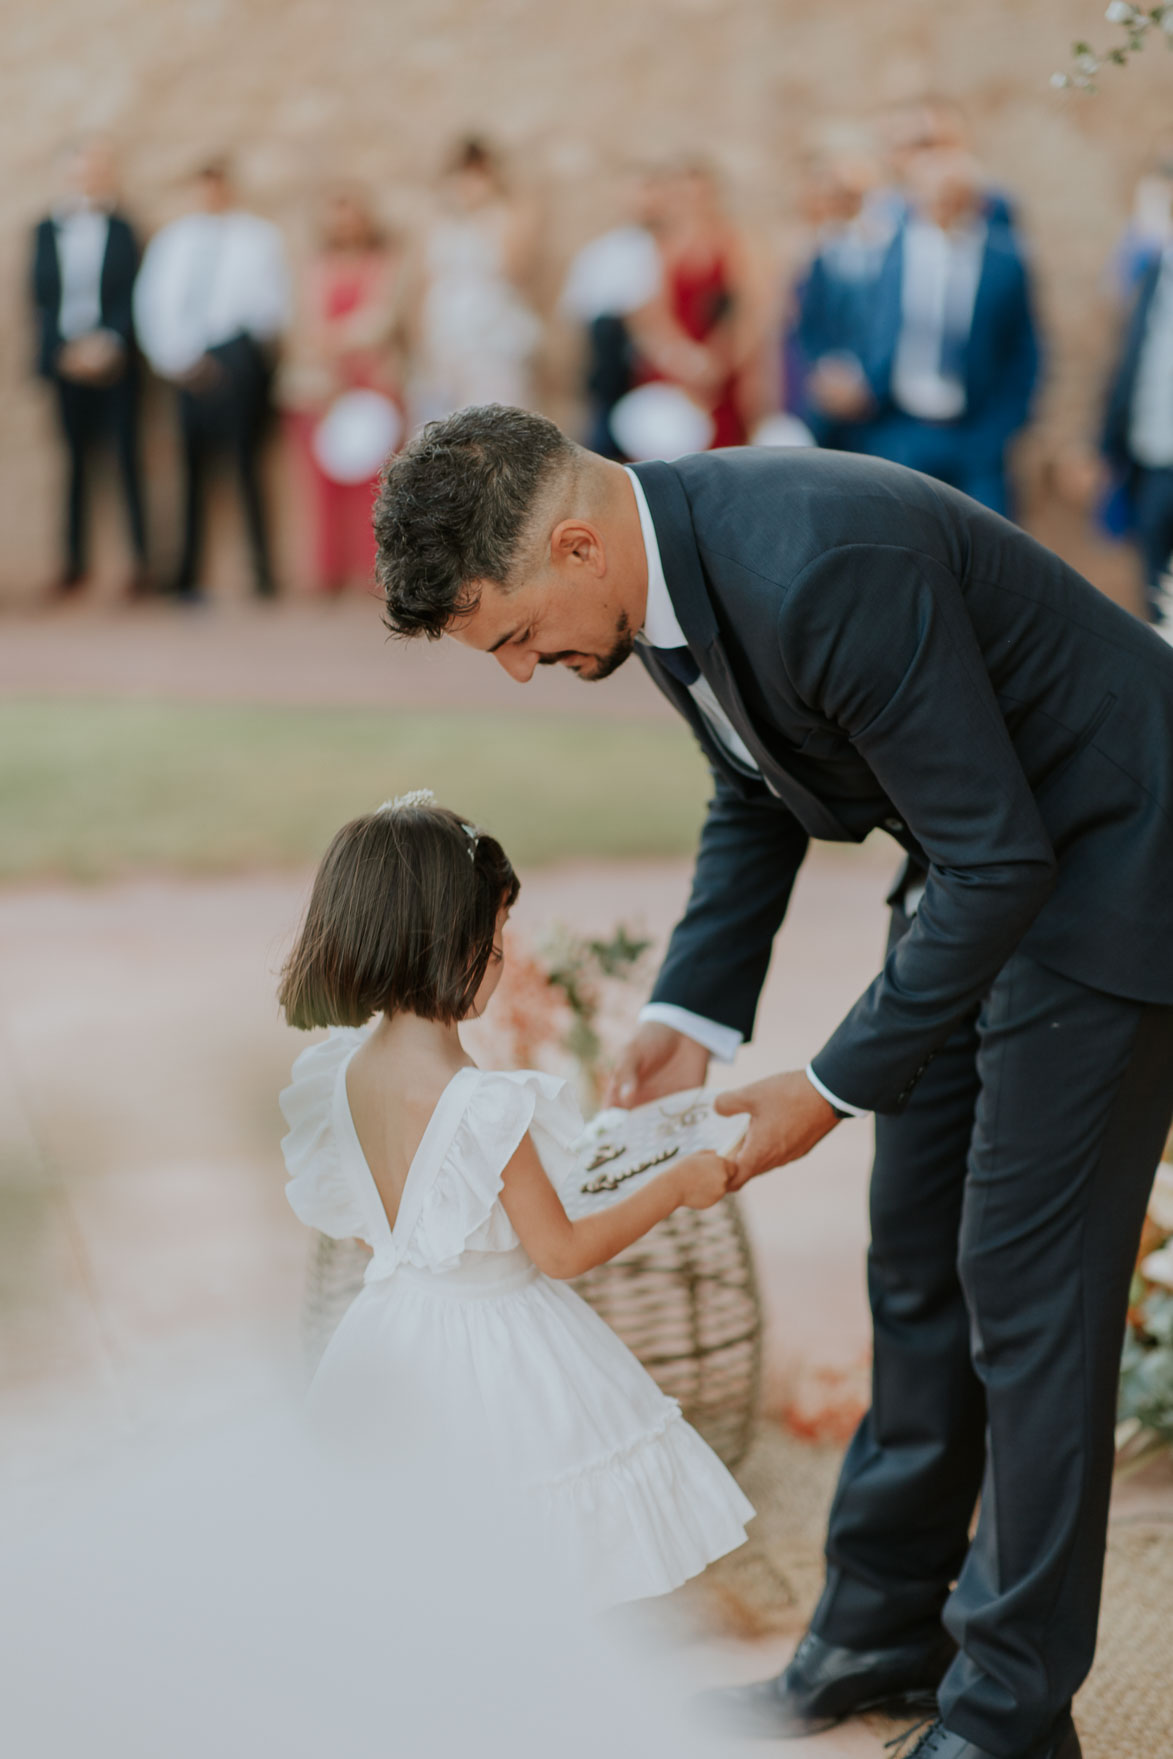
(401, 920)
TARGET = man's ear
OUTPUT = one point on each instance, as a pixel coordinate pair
(574, 543)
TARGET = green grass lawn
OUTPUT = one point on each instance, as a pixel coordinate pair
(91, 790)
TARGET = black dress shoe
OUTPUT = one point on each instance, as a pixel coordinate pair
(823, 1684)
(938, 1742)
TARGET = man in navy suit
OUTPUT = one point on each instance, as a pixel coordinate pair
(953, 356)
(857, 647)
(85, 259)
(1138, 424)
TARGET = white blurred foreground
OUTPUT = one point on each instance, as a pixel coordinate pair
(244, 1595)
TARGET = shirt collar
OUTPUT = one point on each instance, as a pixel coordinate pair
(92, 213)
(661, 627)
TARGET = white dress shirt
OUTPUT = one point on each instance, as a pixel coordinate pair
(1150, 429)
(82, 234)
(206, 278)
(939, 282)
(661, 628)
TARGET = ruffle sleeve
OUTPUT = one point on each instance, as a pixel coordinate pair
(319, 1191)
(460, 1210)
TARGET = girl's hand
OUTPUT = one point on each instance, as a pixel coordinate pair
(701, 1180)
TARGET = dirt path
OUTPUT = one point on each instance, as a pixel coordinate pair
(306, 651)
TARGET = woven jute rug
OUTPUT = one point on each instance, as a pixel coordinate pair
(1125, 1710)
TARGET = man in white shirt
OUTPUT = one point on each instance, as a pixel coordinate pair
(85, 258)
(212, 302)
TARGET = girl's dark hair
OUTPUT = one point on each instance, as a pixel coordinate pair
(401, 920)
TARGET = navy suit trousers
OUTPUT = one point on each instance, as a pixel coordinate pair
(1006, 1208)
(949, 451)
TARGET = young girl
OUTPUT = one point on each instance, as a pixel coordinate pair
(465, 1343)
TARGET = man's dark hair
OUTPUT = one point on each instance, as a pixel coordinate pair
(402, 919)
(453, 509)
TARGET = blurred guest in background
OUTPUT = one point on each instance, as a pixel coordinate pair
(953, 355)
(834, 300)
(85, 258)
(611, 290)
(477, 332)
(212, 300)
(1149, 228)
(717, 298)
(931, 124)
(343, 344)
(1138, 426)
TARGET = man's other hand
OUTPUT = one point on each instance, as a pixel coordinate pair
(787, 1116)
(658, 1061)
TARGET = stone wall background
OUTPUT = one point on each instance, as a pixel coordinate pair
(298, 90)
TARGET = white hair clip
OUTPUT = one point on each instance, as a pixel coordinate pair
(402, 802)
(474, 837)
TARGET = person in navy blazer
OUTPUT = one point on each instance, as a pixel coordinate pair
(85, 258)
(833, 301)
(1137, 436)
(858, 648)
(951, 383)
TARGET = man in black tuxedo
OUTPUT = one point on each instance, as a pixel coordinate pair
(856, 648)
(85, 259)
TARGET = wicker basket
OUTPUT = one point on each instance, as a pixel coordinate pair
(684, 1299)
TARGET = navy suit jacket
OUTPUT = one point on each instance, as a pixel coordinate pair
(1001, 356)
(119, 268)
(895, 656)
(1118, 414)
(835, 315)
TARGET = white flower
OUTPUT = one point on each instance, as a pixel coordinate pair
(1161, 1201)
(1120, 12)
(1060, 81)
(1158, 1267)
(1087, 63)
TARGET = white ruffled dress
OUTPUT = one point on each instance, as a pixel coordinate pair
(458, 1342)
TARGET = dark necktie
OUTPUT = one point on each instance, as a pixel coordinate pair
(679, 662)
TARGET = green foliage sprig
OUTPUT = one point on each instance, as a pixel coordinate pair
(1137, 22)
(574, 965)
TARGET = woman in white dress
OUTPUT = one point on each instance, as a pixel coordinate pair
(465, 1345)
(478, 333)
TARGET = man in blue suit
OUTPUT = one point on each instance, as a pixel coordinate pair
(953, 355)
(856, 648)
(1138, 424)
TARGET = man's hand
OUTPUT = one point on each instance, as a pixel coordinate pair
(839, 388)
(205, 376)
(787, 1116)
(658, 1061)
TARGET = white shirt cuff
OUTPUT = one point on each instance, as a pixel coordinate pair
(722, 1042)
(841, 1105)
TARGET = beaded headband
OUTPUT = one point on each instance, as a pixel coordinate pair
(425, 797)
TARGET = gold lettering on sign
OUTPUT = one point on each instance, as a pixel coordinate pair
(612, 1181)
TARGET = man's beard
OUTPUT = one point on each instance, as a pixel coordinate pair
(604, 664)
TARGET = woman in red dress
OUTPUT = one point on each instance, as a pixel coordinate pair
(345, 343)
(712, 337)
